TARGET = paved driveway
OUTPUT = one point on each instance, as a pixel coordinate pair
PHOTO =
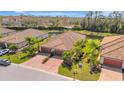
(20, 73)
(51, 65)
(111, 74)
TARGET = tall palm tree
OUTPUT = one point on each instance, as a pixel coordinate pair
(89, 17)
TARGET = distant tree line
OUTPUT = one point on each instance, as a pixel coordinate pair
(97, 21)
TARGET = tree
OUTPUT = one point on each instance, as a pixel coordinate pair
(89, 17)
(91, 51)
(77, 54)
(31, 50)
(66, 56)
(31, 40)
(12, 47)
(77, 51)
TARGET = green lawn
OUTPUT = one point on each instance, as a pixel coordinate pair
(16, 58)
(96, 33)
(83, 74)
(90, 34)
(86, 32)
(20, 57)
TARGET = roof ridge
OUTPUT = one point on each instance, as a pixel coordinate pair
(71, 38)
(58, 44)
(113, 44)
(114, 40)
(112, 50)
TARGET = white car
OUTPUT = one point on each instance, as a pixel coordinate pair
(4, 62)
(4, 51)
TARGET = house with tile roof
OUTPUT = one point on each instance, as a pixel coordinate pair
(18, 38)
(112, 51)
(61, 42)
(6, 32)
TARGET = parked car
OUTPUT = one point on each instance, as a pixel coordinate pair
(12, 51)
(4, 51)
(4, 62)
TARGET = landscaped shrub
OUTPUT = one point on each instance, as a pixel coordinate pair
(67, 63)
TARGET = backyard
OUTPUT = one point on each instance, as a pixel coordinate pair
(90, 34)
(87, 32)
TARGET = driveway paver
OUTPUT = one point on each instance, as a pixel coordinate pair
(51, 65)
(111, 74)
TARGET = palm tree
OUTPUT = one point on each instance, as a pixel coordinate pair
(89, 17)
(12, 47)
(91, 51)
(31, 40)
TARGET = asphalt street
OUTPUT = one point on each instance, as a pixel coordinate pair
(16, 72)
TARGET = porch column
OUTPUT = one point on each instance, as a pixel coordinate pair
(122, 65)
(101, 60)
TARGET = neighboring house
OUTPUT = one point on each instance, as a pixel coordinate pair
(112, 51)
(62, 42)
(19, 38)
(6, 32)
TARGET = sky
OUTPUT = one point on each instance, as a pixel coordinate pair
(48, 13)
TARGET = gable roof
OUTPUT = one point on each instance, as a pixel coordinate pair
(20, 36)
(113, 47)
(64, 41)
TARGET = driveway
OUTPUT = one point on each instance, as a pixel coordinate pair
(51, 65)
(111, 74)
(16, 72)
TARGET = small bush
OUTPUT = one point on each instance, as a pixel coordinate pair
(69, 64)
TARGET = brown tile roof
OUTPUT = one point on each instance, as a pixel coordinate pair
(113, 47)
(5, 30)
(20, 36)
(64, 41)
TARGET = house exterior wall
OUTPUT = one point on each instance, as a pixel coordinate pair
(21, 44)
(2, 45)
(48, 50)
(24, 43)
(113, 62)
(45, 50)
(59, 52)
